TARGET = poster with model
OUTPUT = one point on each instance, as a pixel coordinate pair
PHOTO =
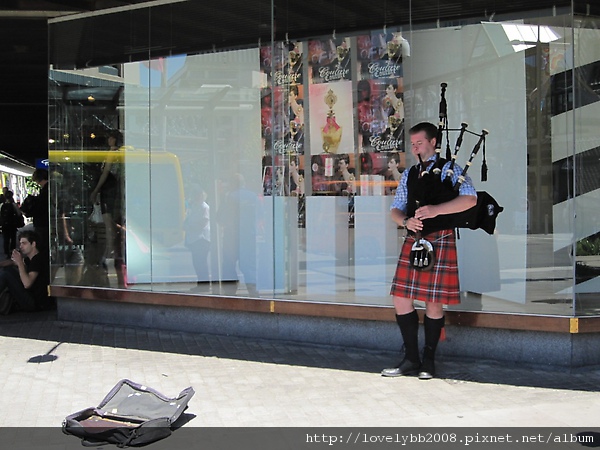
(283, 175)
(332, 138)
(380, 172)
(380, 111)
(282, 99)
(380, 91)
(329, 60)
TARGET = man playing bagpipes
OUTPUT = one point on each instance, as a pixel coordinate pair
(427, 268)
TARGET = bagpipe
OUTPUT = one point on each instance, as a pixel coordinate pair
(435, 187)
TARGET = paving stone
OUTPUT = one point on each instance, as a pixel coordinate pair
(68, 366)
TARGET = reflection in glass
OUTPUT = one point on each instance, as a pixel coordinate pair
(238, 173)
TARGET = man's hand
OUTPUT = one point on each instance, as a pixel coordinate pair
(17, 257)
(413, 224)
(426, 212)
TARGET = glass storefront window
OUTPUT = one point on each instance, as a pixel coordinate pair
(269, 171)
(585, 160)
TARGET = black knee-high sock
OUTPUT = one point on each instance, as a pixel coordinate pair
(433, 330)
(409, 328)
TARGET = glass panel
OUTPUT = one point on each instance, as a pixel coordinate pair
(140, 80)
(89, 151)
(199, 203)
(86, 181)
(270, 171)
(550, 142)
(485, 90)
(494, 82)
(586, 166)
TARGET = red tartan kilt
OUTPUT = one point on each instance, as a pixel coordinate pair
(438, 285)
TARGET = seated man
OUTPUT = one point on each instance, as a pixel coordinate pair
(25, 277)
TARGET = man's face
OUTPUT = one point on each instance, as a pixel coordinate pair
(25, 247)
(420, 145)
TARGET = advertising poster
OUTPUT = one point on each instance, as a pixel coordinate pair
(283, 175)
(329, 60)
(282, 99)
(380, 92)
(380, 172)
(331, 134)
(343, 159)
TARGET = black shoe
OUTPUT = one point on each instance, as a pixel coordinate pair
(427, 371)
(406, 367)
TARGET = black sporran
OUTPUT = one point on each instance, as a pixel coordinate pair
(422, 255)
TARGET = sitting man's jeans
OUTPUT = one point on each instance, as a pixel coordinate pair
(9, 277)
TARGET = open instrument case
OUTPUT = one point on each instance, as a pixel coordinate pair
(131, 414)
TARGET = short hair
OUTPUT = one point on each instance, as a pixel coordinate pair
(30, 235)
(429, 129)
(392, 82)
(39, 175)
(395, 156)
(344, 157)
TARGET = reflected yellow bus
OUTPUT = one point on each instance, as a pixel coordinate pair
(153, 191)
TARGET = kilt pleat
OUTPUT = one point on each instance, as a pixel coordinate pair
(438, 285)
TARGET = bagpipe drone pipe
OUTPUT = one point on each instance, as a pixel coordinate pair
(435, 187)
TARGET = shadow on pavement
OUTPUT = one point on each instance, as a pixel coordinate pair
(46, 327)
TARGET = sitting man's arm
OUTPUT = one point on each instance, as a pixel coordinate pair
(27, 278)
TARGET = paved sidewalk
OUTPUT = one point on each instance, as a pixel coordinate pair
(52, 368)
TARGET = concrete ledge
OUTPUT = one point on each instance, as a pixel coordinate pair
(476, 319)
(514, 346)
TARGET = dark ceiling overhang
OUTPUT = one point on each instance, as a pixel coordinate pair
(54, 8)
(196, 26)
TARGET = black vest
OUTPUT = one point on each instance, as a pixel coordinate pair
(430, 189)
